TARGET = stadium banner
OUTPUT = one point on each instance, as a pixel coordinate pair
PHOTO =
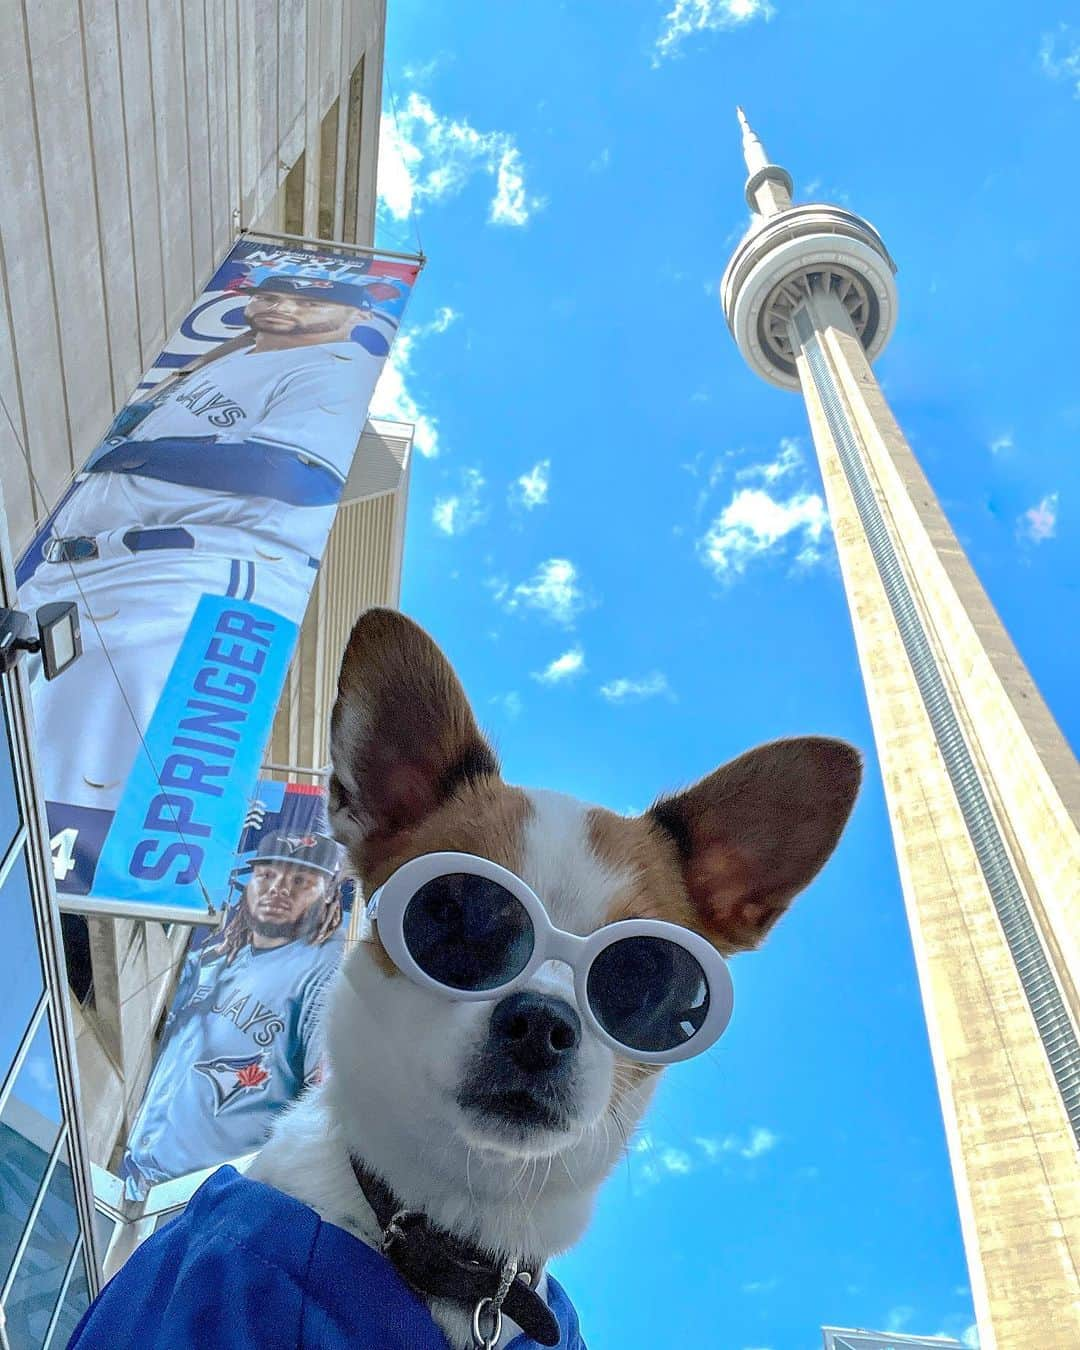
(191, 540)
(241, 1037)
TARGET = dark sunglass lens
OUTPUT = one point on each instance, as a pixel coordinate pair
(468, 932)
(648, 993)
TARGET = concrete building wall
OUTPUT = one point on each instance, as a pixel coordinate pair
(361, 567)
(136, 138)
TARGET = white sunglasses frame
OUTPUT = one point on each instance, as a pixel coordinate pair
(388, 904)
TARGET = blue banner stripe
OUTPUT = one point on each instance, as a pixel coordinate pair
(179, 820)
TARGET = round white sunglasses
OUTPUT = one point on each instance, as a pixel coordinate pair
(472, 930)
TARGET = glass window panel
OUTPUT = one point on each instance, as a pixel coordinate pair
(76, 1302)
(22, 976)
(10, 817)
(104, 1227)
(40, 1273)
(29, 1127)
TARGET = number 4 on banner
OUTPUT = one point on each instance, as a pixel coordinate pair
(63, 852)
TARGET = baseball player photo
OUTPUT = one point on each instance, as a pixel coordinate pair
(222, 479)
(241, 1040)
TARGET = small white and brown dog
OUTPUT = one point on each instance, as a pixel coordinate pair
(486, 1065)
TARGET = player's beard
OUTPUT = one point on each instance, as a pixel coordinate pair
(304, 926)
(298, 329)
(265, 929)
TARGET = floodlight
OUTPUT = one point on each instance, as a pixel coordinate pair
(58, 640)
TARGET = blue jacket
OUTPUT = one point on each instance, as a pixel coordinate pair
(246, 1267)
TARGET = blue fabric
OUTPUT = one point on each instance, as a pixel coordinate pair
(246, 1267)
(145, 541)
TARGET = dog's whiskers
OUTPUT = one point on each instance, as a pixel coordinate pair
(468, 1172)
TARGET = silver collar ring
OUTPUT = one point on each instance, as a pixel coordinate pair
(481, 1341)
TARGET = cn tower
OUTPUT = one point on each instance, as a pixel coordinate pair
(982, 790)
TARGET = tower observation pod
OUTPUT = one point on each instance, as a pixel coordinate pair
(982, 790)
(793, 253)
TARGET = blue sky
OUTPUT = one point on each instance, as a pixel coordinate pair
(617, 533)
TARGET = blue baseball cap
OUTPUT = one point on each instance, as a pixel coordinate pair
(317, 851)
(362, 295)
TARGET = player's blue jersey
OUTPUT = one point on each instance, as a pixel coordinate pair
(241, 1043)
(307, 402)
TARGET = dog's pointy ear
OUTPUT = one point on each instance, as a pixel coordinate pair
(755, 832)
(402, 736)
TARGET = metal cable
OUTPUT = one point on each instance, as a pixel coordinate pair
(1044, 997)
(413, 221)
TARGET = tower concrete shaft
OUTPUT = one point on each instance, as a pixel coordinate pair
(983, 792)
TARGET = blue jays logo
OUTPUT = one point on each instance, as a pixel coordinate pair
(232, 1076)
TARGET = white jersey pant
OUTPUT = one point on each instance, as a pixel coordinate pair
(135, 609)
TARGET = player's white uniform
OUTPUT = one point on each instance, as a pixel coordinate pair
(137, 594)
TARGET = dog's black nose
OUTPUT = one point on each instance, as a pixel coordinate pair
(537, 1031)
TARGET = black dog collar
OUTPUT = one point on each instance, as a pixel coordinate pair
(434, 1262)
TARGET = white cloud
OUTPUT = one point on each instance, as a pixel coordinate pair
(1040, 522)
(1059, 56)
(788, 459)
(969, 1337)
(760, 1286)
(761, 1141)
(554, 590)
(707, 477)
(510, 703)
(464, 509)
(700, 16)
(420, 74)
(753, 523)
(392, 397)
(531, 489)
(398, 159)
(1001, 443)
(625, 690)
(511, 206)
(444, 317)
(660, 1159)
(676, 1161)
(39, 1072)
(898, 1318)
(564, 667)
(424, 157)
(499, 588)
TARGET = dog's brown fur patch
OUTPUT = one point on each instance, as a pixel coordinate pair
(648, 857)
(484, 817)
(628, 1077)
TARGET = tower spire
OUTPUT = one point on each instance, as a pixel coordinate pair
(753, 150)
(768, 187)
(982, 789)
